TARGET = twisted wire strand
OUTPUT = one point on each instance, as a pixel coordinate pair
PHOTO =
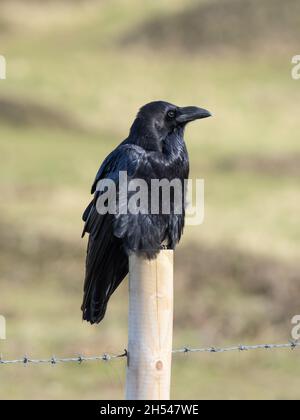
(293, 345)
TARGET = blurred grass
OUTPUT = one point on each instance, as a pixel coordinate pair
(230, 25)
(242, 279)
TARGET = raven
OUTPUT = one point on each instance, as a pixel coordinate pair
(154, 149)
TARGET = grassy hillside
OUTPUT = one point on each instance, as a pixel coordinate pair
(228, 25)
(71, 93)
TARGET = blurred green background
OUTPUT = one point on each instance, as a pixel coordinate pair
(74, 68)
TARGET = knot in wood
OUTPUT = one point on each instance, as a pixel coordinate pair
(159, 365)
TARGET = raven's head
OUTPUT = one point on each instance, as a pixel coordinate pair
(157, 120)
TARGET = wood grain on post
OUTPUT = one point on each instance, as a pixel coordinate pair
(150, 327)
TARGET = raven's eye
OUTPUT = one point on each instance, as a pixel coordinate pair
(171, 114)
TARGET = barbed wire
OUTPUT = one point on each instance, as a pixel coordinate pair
(57, 360)
(292, 346)
(185, 350)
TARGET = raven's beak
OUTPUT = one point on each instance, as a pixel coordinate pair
(191, 113)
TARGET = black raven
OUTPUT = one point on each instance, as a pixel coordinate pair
(154, 149)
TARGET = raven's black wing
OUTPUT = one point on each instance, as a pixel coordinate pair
(107, 261)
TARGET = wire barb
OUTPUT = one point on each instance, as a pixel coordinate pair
(293, 345)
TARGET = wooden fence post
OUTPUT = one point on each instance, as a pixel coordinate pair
(150, 327)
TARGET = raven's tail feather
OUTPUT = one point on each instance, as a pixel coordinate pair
(106, 268)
